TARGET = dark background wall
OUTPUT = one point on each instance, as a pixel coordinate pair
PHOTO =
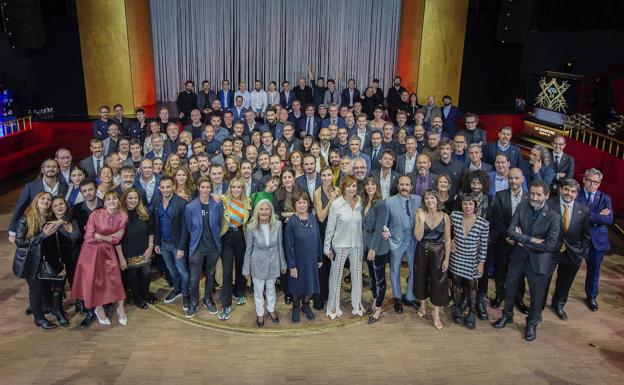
(50, 76)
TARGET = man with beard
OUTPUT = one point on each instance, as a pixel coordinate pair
(272, 124)
(252, 185)
(186, 101)
(310, 180)
(431, 149)
(450, 115)
(422, 179)
(503, 147)
(534, 229)
(111, 143)
(226, 150)
(449, 166)
(471, 132)
(394, 97)
(386, 175)
(264, 166)
(436, 126)
(205, 97)
(360, 171)
(334, 164)
(292, 142)
(203, 162)
(432, 111)
(127, 178)
(324, 137)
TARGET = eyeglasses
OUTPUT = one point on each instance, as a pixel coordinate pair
(592, 181)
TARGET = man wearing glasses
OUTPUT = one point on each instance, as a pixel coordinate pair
(563, 164)
(601, 215)
(472, 133)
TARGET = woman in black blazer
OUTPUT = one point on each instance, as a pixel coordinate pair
(376, 248)
(32, 229)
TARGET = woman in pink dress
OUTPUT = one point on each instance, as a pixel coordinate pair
(97, 280)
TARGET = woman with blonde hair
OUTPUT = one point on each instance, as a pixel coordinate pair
(184, 185)
(106, 182)
(232, 168)
(153, 128)
(264, 258)
(172, 165)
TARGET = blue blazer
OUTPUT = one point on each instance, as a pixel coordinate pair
(514, 155)
(151, 155)
(302, 182)
(316, 123)
(344, 96)
(599, 223)
(26, 197)
(286, 102)
(449, 123)
(401, 228)
(546, 174)
(192, 226)
(339, 122)
(493, 183)
(176, 211)
(230, 99)
(155, 195)
(238, 116)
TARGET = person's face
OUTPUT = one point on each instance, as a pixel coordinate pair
(331, 86)
(471, 123)
(419, 132)
(173, 132)
(460, 144)
(64, 159)
(267, 139)
(113, 131)
(476, 186)
(446, 101)
(216, 104)
(111, 202)
(50, 169)
(370, 188)
(115, 162)
(242, 86)
(276, 165)
(296, 106)
(359, 170)
(281, 149)
(76, 176)
(332, 131)
(193, 165)
(404, 186)
(228, 119)
(174, 161)
(386, 161)
(157, 143)
(361, 123)
(198, 148)
(147, 169)
(164, 115)
(346, 166)
(475, 154)
(189, 87)
(397, 82)
(351, 84)
(166, 189)
(181, 152)
(404, 97)
(203, 164)
(239, 129)
(127, 179)
(301, 206)
(377, 113)
(263, 161)
(251, 154)
(401, 119)
(309, 112)
(257, 86)
(288, 132)
(208, 133)
(309, 165)
(515, 179)
(96, 149)
(410, 145)
(286, 87)
(443, 184)
(215, 121)
(140, 115)
(413, 99)
(271, 117)
(537, 196)
(135, 150)
(354, 146)
(230, 165)
(319, 82)
(350, 190)
(333, 112)
(558, 145)
(445, 152)
(349, 119)
(186, 138)
(132, 200)
(468, 207)
(124, 146)
(376, 139)
(430, 101)
(433, 140)
(324, 136)
(216, 174)
(44, 202)
(104, 114)
(327, 177)
(437, 122)
(106, 175)
(501, 164)
(295, 159)
(246, 170)
(288, 180)
(59, 208)
(154, 127)
(206, 86)
(239, 101)
(225, 85)
(264, 212)
(236, 189)
(272, 185)
(423, 164)
(334, 159)
(342, 135)
(592, 182)
(88, 192)
(504, 136)
(534, 156)
(568, 194)
(180, 178)
(419, 118)
(237, 147)
(431, 202)
(204, 190)
(227, 148)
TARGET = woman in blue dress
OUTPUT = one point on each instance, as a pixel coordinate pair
(302, 246)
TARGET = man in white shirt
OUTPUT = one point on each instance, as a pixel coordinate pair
(311, 179)
(64, 159)
(406, 163)
(258, 99)
(242, 92)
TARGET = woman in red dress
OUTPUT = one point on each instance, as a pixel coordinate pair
(97, 280)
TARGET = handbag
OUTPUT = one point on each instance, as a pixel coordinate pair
(46, 271)
(137, 261)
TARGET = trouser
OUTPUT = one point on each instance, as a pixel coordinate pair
(299, 299)
(233, 256)
(396, 257)
(502, 250)
(36, 294)
(138, 279)
(465, 288)
(490, 264)
(323, 273)
(432, 282)
(178, 268)
(371, 272)
(335, 279)
(206, 262)
(566, 272)
(594, 260)
(537, 286)
(259, 286)
(379, 275)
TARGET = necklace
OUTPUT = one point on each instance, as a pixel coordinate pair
(305, 223)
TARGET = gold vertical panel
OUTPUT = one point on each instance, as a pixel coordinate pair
(442, 49)
(408, 60)
(141, 52)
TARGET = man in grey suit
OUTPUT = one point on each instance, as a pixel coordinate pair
(401, 217)
(563, 164)
(535, 229)
(95, 162)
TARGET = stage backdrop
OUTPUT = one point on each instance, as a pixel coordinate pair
(273, 40)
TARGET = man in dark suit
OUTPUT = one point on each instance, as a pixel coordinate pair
(503, 146)
(574, 239)
(124, 124)
(148, 182)
(421, 178)
(100, 126)
(601, 215)
(286, 96)
(310, 180)
(186, 101)
(226, 95)
(534, 229)
(238, 112)
(95, 162)
(333, 117)
(375, 150)
(64, 159)
(309, 124)
(450, 115)
(47, 180)
(303, 93)
(449, 166)
(292, 142)
(350, 95)
(474, 163)
(504, 206)
(386, 176)
(393, 98)
(252, 185)
(406, 163)
(563, 164)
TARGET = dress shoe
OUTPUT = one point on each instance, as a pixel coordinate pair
(28, 310)
(89, 317)
(260, 322)
(458, 315)
(482, 307)
(142, 305)
(560, 312)
(319, 305)
(296, 314)
(496, 302)
(502, 322)
(45, 324)
(415, 304)
(530, 334)
(470, 320)
(307, 311)
(151, 299)
(592, 304)
(522, 307)
(398, 306)
(288, 299)
(274, 319)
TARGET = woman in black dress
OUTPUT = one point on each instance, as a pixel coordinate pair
(61, 250)
(136, 247)
(302, 246)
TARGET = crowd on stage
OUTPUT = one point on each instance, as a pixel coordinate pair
(298, 193)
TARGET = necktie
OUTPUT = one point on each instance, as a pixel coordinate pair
(375, 153)
(309, 127)
(98, 163)
(564, 225)
(407, 210)
(591, 198)
(557, 159)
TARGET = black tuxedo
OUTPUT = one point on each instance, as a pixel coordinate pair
(566, 166)
(573, 248)
(532, 259)
(303, 121)
(370, 151)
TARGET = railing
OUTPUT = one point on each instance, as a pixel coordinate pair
(15, 126)
(600, 141)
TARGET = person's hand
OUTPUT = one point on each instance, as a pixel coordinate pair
(536, 165)
(386, 234)
(180, 254)
(445, 264)
(330, 255)
(293, 273)
(12, 239)
(480, 268)
(207, 111)
(420, 214)
(248, 276)
(605, 212)
(181, 115)
(319, 264)
(49, 229)
(147, 254)
(453, 246)
(97, 237)
(122, 263)
(157, 249)
(561, 175)
(537, 240)
(216, 197)
(63, 273)
(510, 241)
(371, 255)
(283, 271)
(518, 230)
(333, 195)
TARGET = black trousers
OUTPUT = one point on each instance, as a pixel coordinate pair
(206, 262)
(566, 272)
(36, 294)
(502, 249)
(323, 273)
(138, 280)
(519, 265)
(378, 277)
(465, 288)
(232, 258)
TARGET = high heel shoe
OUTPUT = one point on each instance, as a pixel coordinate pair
(104, 321)
(123, 321)
(422, 310)
(437, 323)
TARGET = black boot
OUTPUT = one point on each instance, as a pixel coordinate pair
(482, 307)
(307, 311)
(45, 324)
(458, 315)
(80, 308)
(89, 317)
(470, 321)
(296, 314)
(57, 309)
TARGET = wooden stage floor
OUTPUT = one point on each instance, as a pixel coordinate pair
(158, 348)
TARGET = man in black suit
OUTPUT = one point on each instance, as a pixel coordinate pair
(563, 164)
(310, 180)
(350, 95)
(421, 178)
(47, 180)
(535, 229)
(393, 98)
(574, 239)
(95, 162)
(292, 142)
(124, 124)
(309, 124)
(64, 159)
(375, 149)
(504, 206)
(386, 176)
(286, 96)
(252, 185)
(406, 163)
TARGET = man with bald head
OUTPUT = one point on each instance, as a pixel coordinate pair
(421, 178)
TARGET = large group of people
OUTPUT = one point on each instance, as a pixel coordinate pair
(289, 190)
